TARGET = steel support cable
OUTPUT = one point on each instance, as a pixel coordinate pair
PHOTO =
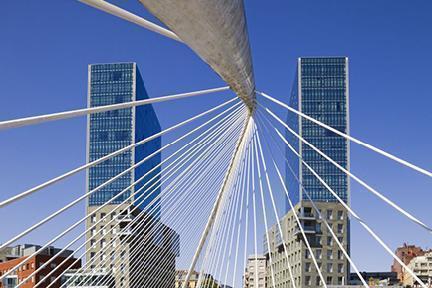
(76, 201)
(245, 250)
(240, 219)
(255, 213)
(215, 235)
(202, 178)
(227, 228)
(229, 185)
(339, 244)
(197, 216)
(154, 168)
(294, 212)
(179, 177)
(258, 168)
(348, 173)
(128, 16)
(137, 250)
(355, 140)
(109, 156)
(206, 138)
(363, 223)
(161, 183)
(21, 122)
(214, 211)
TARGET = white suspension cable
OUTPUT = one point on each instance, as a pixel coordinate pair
(299, 224)
(128, 16)
(168, 187)
(8, 124)
(93, 163)
(357, 179)
(245, 251)
(240, 220)
(216, 229)
(234, 162)
(154, 177)
(311, 201)
(255, 213)
(370, 231)
(258, 168)
(369, 146)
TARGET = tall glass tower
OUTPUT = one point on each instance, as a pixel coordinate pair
(113, 130)
(320, 90)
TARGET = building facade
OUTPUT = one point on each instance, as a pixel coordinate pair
(113, 244)
(422, 268)
(406, 253)
(331, 260)
(320, 90)
(27, 267)
(255, 272)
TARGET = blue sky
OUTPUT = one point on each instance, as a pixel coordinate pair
(47, 45)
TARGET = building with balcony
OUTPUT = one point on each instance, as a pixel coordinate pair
(422, 268)
(255, 274)
(330, 258)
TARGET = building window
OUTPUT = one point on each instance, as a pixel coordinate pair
(329, 255)
(329, 268)
(330, 214)
(340, 228)
(340, 215)
(93, 218)
(329, 280)
(308, 267)
(340, 268)
(307, 281)
(340, 255)
(329, 241)
(318, 253)
(103, 216)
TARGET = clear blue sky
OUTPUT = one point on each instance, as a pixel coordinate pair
(45, 47)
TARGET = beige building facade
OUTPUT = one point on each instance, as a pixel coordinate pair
(255, 272)
(422, 268)
(330, 258)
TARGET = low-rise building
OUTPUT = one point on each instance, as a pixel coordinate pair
(406, 253)
(375, 278)
(422, 268)
(28, 266)
(255, 272)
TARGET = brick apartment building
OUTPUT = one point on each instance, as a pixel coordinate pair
(406, 253)
(28, 267)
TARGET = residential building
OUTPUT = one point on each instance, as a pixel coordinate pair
(255, 272)
(110, 236)
(91, 279)
(320, 90)
(181, 276)
(331, 259)
(406, 253)
(28, 266)
(422, 268)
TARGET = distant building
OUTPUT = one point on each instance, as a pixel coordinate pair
(253, 277)
(91, 279)
(406, 253)
(20, 254)
(333, 263)
(422, 268)
(375, 278)
(181, 276)
(207, 282)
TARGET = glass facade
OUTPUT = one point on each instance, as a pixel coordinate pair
(320, 90)
(113, 130)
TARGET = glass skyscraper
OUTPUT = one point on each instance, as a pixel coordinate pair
(320, 90)
(113, 130)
